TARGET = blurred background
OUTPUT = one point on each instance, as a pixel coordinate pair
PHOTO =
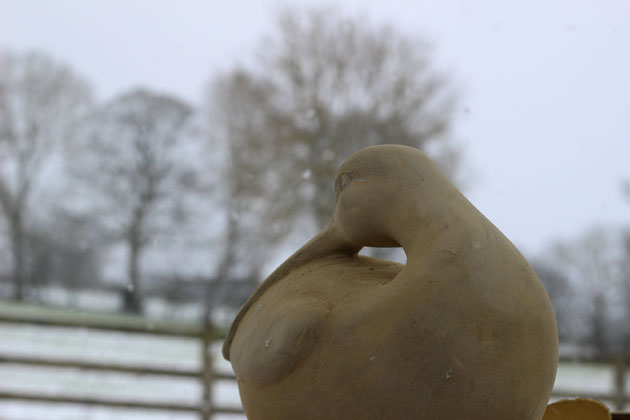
(158, 159)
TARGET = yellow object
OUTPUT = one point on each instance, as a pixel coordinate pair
(577, 409)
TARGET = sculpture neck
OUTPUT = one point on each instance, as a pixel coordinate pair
(418, 227)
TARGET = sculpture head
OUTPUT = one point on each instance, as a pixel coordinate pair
(381, 190)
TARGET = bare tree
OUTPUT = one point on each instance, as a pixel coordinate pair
(593, 263)
(39, 100)
(64, 253)
(625, 273)
(561, 295)
(625, 291)
(322, 87)
(134, 153)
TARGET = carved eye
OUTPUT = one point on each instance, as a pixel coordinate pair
(343, 180)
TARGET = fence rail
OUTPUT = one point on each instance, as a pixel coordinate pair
(618, 396)
(205, 408)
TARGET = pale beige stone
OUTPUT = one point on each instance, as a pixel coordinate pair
(463, 330)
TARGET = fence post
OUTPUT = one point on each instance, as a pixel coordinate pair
(620, 383)
(208, 370)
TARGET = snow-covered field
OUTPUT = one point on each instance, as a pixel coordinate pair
(104, 347)
(152, 351)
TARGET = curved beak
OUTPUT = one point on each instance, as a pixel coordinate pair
(328, 242)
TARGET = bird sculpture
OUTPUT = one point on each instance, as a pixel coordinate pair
(463, 330)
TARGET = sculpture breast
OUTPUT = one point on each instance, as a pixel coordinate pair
(463, 330)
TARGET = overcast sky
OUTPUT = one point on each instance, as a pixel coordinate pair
(545, 85)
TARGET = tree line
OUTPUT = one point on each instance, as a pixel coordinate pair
(146, 184)
(84, 181)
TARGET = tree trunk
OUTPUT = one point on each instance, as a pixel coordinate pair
(17, 239)
(625, 281)
(322, 202)
(131, 293)
(228, 259)
(599, 337)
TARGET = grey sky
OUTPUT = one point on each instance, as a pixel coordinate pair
(545, 105)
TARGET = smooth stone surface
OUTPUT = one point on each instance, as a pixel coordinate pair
(463, 330)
